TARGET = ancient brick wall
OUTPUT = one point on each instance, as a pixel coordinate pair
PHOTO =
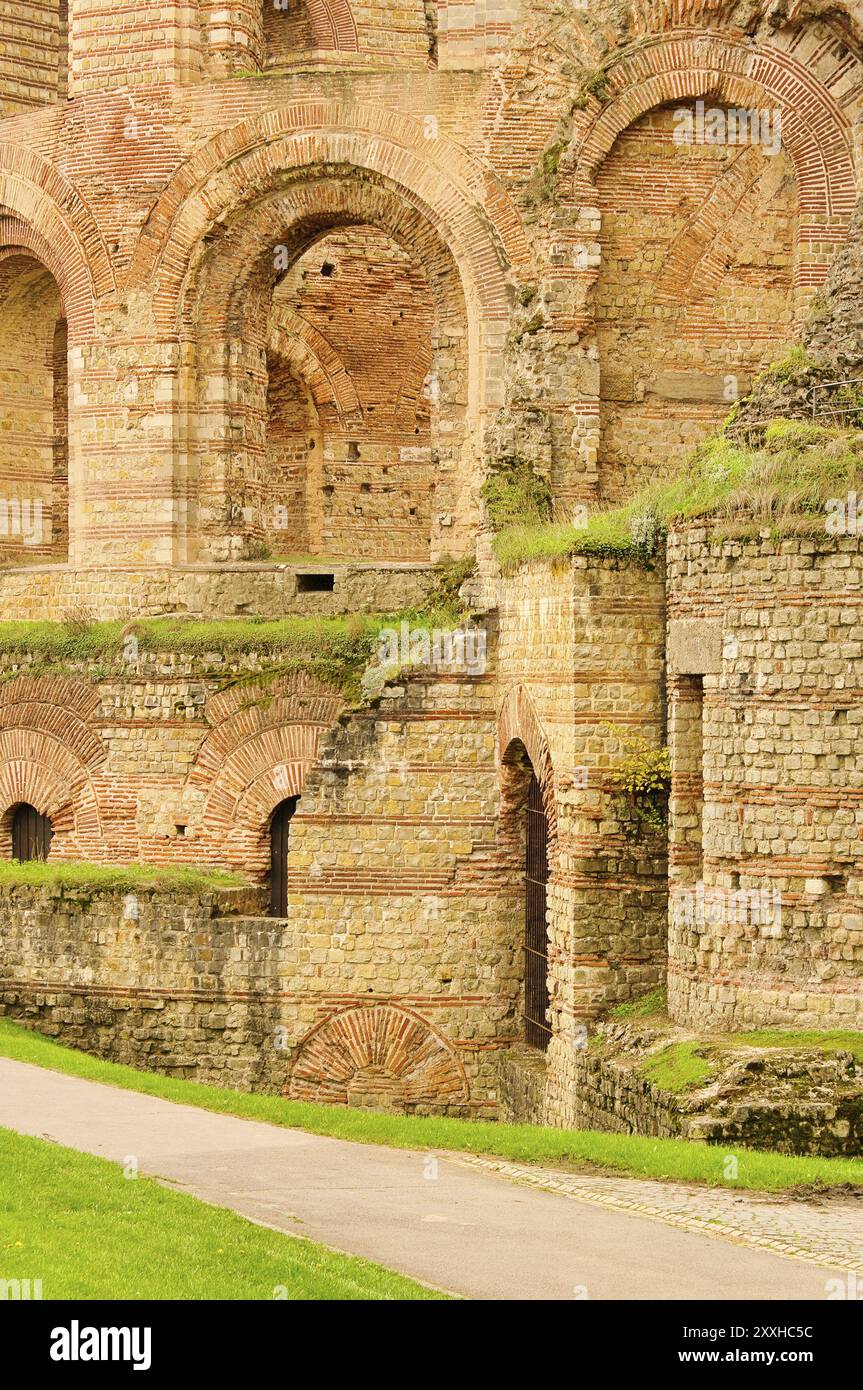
(403, 918)
(575, 679)
(764, 650)
(33, 54)
(696, 291)
(311, 274)
(567, 313)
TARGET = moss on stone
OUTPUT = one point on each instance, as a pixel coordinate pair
(646, 1006)
(335, 651)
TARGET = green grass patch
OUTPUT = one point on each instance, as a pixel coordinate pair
(682, 1066)
(797, 468)
(646, 1007)
(87, 1232)
(121, 878)
(826, 1042)
(628, 1154)
(678, 1067)
(335, 650)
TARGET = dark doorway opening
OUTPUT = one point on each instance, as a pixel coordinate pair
(280, 827)
(536, 998)
(31, 834)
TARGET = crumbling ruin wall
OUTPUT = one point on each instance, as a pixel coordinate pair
(764, 650)
(581, 670)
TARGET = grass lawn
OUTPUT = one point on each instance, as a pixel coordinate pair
(629, 1154)
(87, 1232)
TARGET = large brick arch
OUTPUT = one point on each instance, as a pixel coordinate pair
(519, 723)
(469, 209)
(718, 68)
(264, 740)
(379, 1049)
(43, 213)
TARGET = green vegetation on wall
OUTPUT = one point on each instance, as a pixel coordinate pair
(516, 496)
(784, 483)
(336, 651)
(76, 876)
(642, 778)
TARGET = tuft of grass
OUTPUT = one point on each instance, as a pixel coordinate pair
(62, 874)
(677, 1159)
(88, 1232)
(797, 468)
(647, 1006)
(515, 496)
(678, 1067)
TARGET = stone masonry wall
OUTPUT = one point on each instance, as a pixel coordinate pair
(794, 1099)
(212, 591)
(159, 980)
(581, 667)
(402, 943)
(209, 989)
(765, 651)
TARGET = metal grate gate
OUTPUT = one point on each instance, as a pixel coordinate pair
(536, 1029)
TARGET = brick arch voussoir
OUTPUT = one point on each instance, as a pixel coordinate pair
(301, 346)
(59, 708)
(333, 25)
(260, 799)
(266, 767)
(41, 211)
(519, 722)
(395, 1040)
(678, 277)
(815, 132)
(36, 767)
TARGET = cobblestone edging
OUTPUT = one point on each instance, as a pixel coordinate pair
(829, 1232)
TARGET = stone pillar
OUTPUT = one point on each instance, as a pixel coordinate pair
(126, 503)
(143, 45)
(233, 34)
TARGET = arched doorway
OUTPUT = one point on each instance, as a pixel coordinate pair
(31, 834)
(34, 449)
(537, 1032)
(280, 827)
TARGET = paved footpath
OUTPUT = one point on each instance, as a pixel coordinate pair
(482, 1228)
